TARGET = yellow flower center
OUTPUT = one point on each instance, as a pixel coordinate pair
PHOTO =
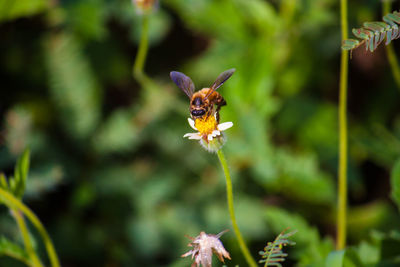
(206, 125)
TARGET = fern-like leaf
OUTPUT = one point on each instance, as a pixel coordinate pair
(373, 33)
(273, 254)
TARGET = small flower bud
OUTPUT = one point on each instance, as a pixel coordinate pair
(145, 6)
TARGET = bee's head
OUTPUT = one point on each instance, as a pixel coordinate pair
(199, 107)
(197, 101)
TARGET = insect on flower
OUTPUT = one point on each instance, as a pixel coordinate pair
(204, 245)
(204, 109)
(205, 102)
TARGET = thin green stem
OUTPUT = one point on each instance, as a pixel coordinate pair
(26, 238)
(143, 47)
(14, 203)
(342, 175)
(394, 64)
(229, 193)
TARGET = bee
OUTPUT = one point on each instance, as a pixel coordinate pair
(206, 101)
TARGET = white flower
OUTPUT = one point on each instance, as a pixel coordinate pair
(203, 247)
(207, 128)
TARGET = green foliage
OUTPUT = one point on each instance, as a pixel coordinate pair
(10, 9)
(395, 183)
(16, 184)
(335, 259)
(373, 33)
(87, 19)
(273, 254)
(311, 249)
(10, 249)
(117, 134)
(74, 89)
(111, 171)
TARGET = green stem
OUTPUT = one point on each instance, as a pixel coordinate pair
(394, 64)
(342, 179)
(26, 238)
(143, 47)
(229, 193)
(15, 203)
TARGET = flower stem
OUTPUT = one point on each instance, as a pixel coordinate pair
(15, 204)
(25, 236)
(229, 193)
(143, 47)
(342, 175)
(394, 64)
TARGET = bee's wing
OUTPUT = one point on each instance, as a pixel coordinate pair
(183, 82)
(220, 80)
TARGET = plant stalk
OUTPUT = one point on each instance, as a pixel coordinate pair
(143, 48)
(229, 193)
(15, 204)
(26, 238)
(342, 174)
(394, 64)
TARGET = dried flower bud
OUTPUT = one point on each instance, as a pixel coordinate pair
(145, 6)
(204, 245)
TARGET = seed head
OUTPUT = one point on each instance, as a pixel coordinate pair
(204, 245)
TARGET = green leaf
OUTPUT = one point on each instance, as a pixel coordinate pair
(335, 259)
(20, 174)
(13, 9)
(375, 26)
(395, 183)
(352, 258)
(43, 179)
(375, 32)
(273, 254)
(350, 44)
(390, 246)
(368, 253)
(8, 248)
(362, 33)
(73, 86)
(3, 181)
(88, 19)
(117, 134)
(310, 249)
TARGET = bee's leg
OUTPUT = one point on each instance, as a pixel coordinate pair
(223, 103)
(219, 104)
(217, 112)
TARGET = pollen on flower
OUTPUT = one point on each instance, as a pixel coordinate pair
(206, 125)
(209, 132)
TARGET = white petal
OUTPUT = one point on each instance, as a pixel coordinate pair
(195, 136)
(224, 126)
(216, 133)
(210, 137)
(191, 123)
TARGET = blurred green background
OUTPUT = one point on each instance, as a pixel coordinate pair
(113, 180)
